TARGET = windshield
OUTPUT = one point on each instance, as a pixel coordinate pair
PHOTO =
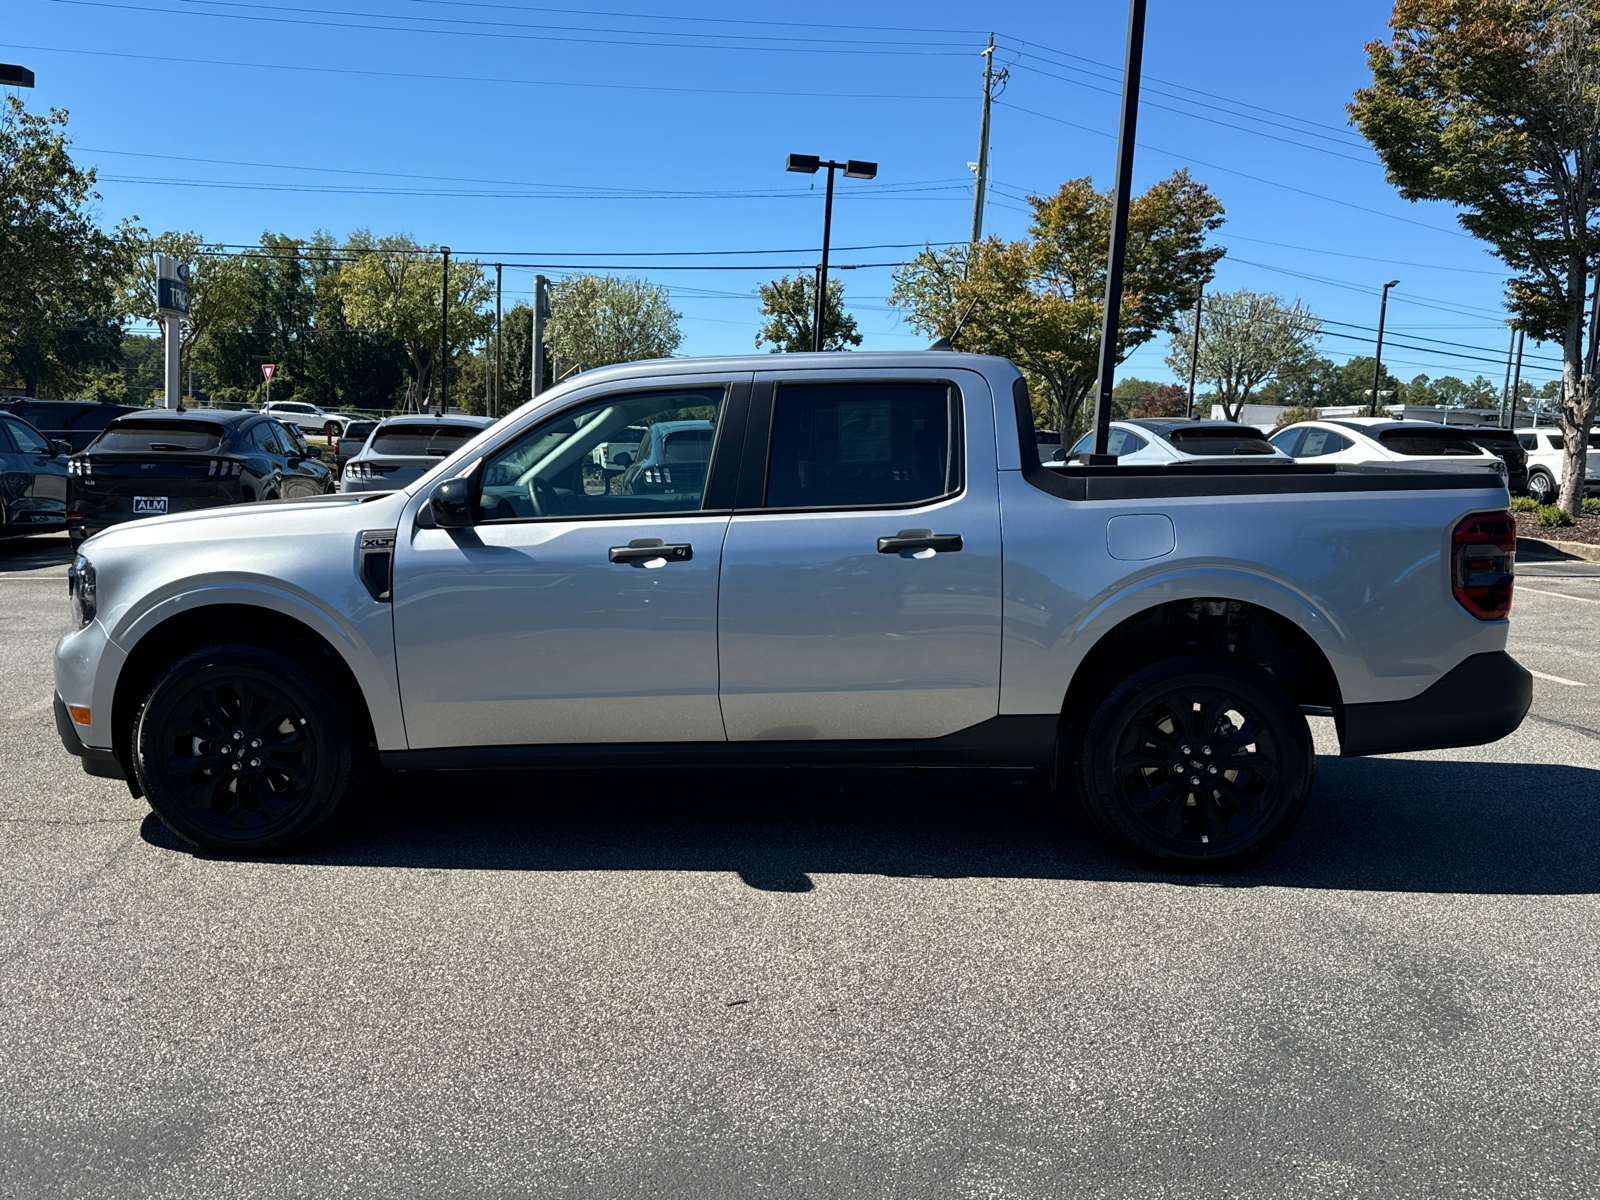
(1221, 439)
(144, 434)
(358, 431)
(1430, 443)
(687, 446)
(418, 441)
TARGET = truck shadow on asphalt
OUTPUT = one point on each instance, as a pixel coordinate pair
(1373, 824)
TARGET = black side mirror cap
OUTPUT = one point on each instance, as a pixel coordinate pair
(451, 504)
(63, 447)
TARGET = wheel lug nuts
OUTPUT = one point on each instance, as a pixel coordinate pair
(237, 735)
(1184, 750)
(1194, 780)
(235, 766)
(255, 762)
(1177, 768)
(1212, 768)
(1205, 750)
(255, 744)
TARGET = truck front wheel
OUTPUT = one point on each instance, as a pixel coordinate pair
(1196, 762)
(240, 749)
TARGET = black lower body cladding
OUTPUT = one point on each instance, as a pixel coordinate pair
(1479, 701)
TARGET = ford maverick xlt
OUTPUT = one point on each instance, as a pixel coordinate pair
(821, 559)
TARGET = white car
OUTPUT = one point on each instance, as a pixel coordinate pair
(1175, 440)
(307, 417)
(1423, 444)
(403, 449)
(1547, 452)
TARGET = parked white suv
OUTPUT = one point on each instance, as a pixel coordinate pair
(307, 417)
(1547, 453)
(1415, 444)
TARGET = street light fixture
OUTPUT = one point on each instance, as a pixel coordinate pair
(12, 75)
(1377, 361)
(810, 164)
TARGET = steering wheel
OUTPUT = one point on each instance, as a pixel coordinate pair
(543, 497)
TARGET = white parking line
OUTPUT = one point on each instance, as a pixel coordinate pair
(1555, 678)
(1563, 595)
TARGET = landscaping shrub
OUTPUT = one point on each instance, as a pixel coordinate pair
(1591, 506)
(1553, 515)
(1524, 504)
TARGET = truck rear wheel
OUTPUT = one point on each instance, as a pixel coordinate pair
(240, 749)
(1197, 762)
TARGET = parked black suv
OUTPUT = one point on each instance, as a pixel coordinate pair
(1502, 442)
(33, 479)
(159, 461)
(76, 422)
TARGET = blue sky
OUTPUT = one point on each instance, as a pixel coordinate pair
(617, 135)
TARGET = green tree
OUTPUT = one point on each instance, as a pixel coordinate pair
(1494, 106)
(789, 306)
(393, 288)
(1168, 400)
(1039, 301)
(1245, 339)
(59, 322)
(597, 320)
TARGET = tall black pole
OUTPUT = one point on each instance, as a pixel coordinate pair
(495, 411)
(1377, 360)
(1516, 384)
(1119, 230)
(1194, 350)
(444, 334)
(822, 271)
(983, 144)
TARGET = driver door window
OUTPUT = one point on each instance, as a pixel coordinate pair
(570, 467)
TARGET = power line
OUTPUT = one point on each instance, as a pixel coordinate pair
(497, 34)
(586, 12)
(1242, 174)
(423, 251)
(555, 83)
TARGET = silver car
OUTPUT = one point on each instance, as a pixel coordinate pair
(403, 449)
(1175, 440)
(833, 558)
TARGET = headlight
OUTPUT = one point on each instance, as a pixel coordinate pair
(81, 590)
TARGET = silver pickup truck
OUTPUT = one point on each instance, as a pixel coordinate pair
(862, 561)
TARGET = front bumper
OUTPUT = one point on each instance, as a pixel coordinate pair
(103, 763)
(1480, 700)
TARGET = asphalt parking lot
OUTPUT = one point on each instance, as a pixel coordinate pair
(808, 984)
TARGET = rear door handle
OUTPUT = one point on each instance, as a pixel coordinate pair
(919, 539)
(651, 552)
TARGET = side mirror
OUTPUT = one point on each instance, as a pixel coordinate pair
(451, 504)
(62, 447)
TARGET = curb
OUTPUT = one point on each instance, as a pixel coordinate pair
(1581, 550)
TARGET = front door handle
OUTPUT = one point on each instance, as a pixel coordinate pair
(913, 540)
(651, 552)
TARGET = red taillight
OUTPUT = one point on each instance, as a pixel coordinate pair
(1483, 562)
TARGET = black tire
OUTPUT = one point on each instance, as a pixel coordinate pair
(1541, 487)
(1192, 712)
(242, 750)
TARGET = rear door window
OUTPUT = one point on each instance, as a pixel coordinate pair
(136, 434)
(1118, 442)
(858, 445)
(1322, 441)
(1288, 441)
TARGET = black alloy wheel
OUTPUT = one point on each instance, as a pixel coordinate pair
(1541, 488)
(242, 750)
(1197, 762)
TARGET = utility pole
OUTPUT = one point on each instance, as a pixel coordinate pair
(1505, 389)
(1112, 319)
(444, 334)
(822, 271)
(1194, 350)
(1377, 361)
(541, 309)
(1510, 421)
(982, 168)
(494, 409)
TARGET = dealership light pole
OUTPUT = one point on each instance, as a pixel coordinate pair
(809, 164)
(1377, 361)
(1194, 351)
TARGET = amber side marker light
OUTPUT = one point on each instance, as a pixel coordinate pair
(80, 714)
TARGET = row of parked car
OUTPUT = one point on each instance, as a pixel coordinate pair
(86, 466)
(1529, 460)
